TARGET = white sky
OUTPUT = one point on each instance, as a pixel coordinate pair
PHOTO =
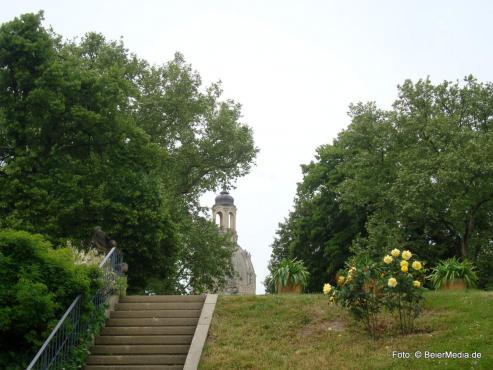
(294, 66)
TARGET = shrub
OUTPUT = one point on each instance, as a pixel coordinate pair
(484, 263)
(37, 284)
(289, 273)
(359, 291)
(366, 287)
(403, 278)
(453, 269)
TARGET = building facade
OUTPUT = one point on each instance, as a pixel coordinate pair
(244, 278)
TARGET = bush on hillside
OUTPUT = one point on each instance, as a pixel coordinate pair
(367, 288)
(484, 263)
(37, 284)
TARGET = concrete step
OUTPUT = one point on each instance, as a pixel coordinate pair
(136, 360)
(162, 298)
(154, 313)
(144, 339)
(140, 349)
(158, 321)
(149, 330)
(134, 367)
(147, 333)
(159, 306)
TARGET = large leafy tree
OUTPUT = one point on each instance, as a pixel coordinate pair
(318, 231)
(72, 157)
(419, 174)
(207, 145)
(91, 135)
(446, 161)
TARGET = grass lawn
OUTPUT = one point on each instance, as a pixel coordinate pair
(304, 332)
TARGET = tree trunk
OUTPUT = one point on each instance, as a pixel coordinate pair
(465, 247)
(465, 241)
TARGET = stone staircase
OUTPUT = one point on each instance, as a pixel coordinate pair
(147, 333)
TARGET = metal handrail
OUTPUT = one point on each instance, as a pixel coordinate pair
(70, 328)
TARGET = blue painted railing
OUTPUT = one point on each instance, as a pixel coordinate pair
(72, 327)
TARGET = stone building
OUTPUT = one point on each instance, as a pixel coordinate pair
(244, 279)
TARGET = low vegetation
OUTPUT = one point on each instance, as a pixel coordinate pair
(305, 332)
(446, 272)
(37, 284)
(291, 274)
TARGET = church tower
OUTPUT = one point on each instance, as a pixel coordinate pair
(224, 214)
(244, 279)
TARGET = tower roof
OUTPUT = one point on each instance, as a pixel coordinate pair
(224, 199)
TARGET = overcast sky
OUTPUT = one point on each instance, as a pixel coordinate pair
(294, 66)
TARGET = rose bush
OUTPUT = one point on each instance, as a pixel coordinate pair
(359, 291)
(367, 287)
(403, 293)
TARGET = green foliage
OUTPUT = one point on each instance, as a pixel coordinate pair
(452, 269)
(484, 263)
(289, 272)
(418, 174)
(206, 144)
(405, 298)
(91, 135)
(37, 284)
(78, 357)
(121, 285)
(360, 291)
(204, 262)
(367, 287)
(318, 231)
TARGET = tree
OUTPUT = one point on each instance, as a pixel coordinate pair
(207, 145)
(203, 267)
(91, 135)
(418, 174)
(447, 152)
(318, 231)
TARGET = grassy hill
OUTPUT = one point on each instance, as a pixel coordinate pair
(304, 332)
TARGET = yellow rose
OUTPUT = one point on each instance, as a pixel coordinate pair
(416, 284)
(417, 265)
(349, 278)
(404, 268)
(327, 288)
(388, 259)
(340, 280)
(392, 282)
(407, 255)
(395, 252)
(352, 269)
(332, 299)
(404, 263)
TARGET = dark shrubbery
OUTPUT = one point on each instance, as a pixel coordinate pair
(484, 263)
(37, 284)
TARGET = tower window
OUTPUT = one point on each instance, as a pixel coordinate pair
(219, 218)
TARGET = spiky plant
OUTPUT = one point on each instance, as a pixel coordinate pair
(453, 269)
(290, 272)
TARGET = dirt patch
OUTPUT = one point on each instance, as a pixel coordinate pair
(336, 325)
(321, 327)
